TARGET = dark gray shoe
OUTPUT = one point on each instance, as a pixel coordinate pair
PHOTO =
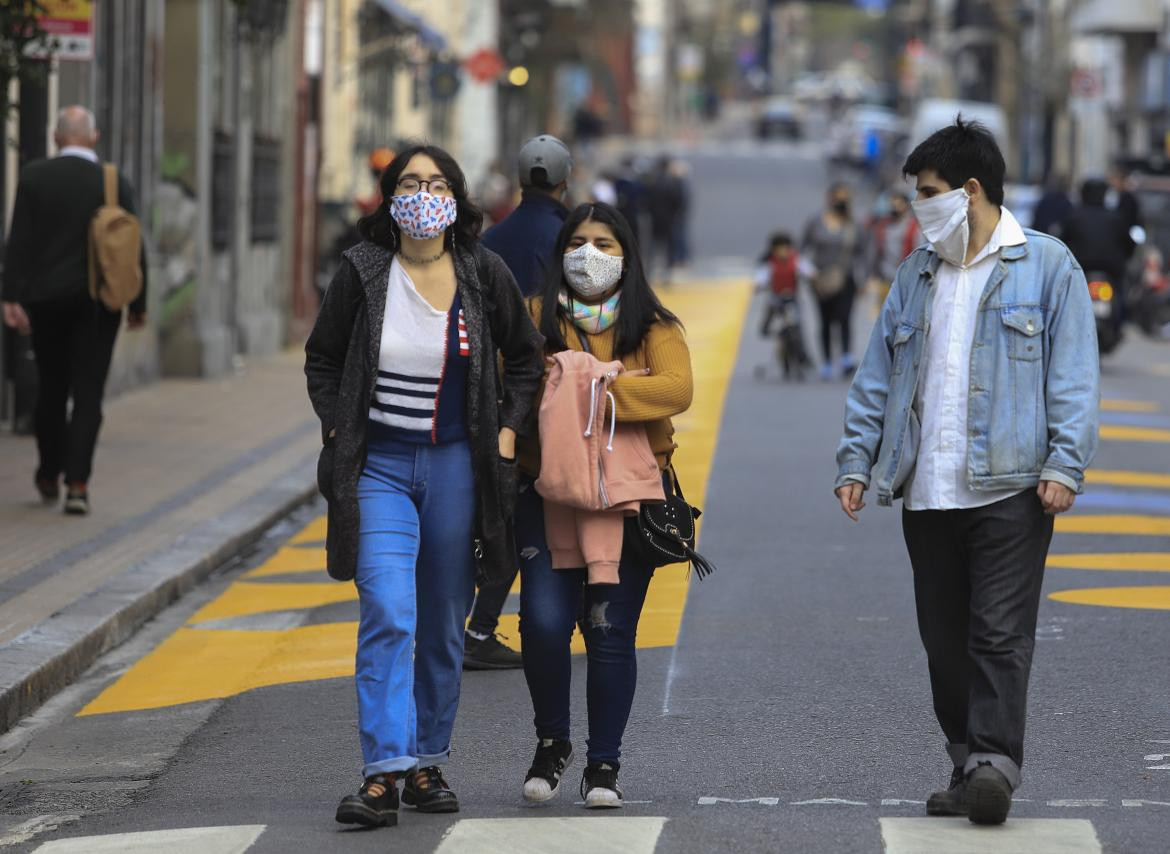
(989, 795)
(952, 800)
(489, 654)
(371, 810)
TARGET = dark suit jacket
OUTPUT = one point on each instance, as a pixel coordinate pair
(47, 259)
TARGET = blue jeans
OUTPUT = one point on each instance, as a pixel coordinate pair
(415, 580)
(552, 601)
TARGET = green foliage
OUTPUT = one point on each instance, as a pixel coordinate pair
(20, 32)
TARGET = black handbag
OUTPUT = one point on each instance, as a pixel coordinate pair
(663, 534)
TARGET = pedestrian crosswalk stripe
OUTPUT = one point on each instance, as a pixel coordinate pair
(1156, 598)
(185, 840)
(1154, 526)
(1119, 561)
(591, 835)
(1017, 836)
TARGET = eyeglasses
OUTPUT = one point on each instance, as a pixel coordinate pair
(438, 186)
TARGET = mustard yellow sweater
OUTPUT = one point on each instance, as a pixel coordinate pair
(651, 398)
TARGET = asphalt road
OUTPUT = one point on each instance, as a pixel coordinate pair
(792, 713)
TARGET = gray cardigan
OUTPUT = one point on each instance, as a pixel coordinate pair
(341, 366)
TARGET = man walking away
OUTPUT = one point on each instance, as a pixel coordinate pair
(46, 288)
(976, 403)
(526, 240)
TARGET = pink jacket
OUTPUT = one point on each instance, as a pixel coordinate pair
(594, 471)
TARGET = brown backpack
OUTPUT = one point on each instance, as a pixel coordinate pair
(115, 249)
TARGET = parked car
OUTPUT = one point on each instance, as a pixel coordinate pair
(779, 117)
(868, 133)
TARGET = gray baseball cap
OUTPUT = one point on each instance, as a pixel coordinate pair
(548, 153)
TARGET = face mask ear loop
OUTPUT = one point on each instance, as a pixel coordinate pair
(592, 407)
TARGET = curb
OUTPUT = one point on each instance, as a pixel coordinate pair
(51, 655)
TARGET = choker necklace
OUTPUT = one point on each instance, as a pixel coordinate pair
(422, 262)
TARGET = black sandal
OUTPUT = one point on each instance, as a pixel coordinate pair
(427, 791)
(369, 809)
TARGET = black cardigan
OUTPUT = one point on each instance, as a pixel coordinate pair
(341, 365)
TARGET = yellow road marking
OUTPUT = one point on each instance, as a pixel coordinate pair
(1155, 526)
(1156, 598)
(243, 599)
(200, 664)
(1120, 561)
(290, 560)
(1128, 478)
(1121, 433)
(1115, 405)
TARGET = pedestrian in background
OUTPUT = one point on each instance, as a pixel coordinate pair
(976, 403)
(418, 465)
(1054, 206)
(834, 249)
(47, 291)
(666, 200)
(600, 303)
(894, 236)
(526, 241)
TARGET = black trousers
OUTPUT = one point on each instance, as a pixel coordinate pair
(73, 347)
(977, 579)
(837, 311)
(489, 603)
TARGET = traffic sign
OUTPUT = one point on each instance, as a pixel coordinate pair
(484, 65)
(69, 24)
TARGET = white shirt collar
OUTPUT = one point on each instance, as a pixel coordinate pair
(1007, 233)
(79, 151)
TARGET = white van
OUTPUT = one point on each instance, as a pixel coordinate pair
(936, 113)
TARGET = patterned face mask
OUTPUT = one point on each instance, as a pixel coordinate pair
(592, 319)
(423, 216)
(591, 272)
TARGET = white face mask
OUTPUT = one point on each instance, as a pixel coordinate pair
(590, 272)
(944, 222)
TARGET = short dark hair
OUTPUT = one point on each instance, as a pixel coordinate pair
(640, 309)
(958, 153)
(379, 227)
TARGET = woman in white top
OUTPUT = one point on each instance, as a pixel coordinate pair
(418, 464)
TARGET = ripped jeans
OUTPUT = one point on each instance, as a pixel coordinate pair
(551, 603)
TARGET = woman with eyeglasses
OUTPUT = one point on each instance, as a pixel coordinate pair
(418, 464)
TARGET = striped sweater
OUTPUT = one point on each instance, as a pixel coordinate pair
(421, 394)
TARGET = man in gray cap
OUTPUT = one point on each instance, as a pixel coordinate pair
(526, 237)
(526, 240)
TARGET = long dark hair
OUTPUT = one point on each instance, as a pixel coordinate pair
(379, 227)
(640, 308)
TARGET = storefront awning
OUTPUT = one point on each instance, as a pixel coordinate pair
(1118, 17)
(431, 37)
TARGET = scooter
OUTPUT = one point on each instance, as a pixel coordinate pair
(1106, 296)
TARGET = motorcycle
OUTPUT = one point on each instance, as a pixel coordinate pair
(1106, 297)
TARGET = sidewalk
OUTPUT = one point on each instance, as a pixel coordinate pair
(187, 472)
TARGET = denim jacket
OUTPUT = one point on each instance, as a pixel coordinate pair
(1033, 397)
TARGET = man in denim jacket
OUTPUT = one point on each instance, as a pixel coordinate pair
(977, 404)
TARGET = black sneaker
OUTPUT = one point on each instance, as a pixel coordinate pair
(371, 810)
(989, 795)
(951, 800)
(599, 786)
(77, 500)
(427, 791)
(49, 489)
(489, 654)
(548, 765)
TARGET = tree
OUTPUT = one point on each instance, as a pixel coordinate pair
(22, 42)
